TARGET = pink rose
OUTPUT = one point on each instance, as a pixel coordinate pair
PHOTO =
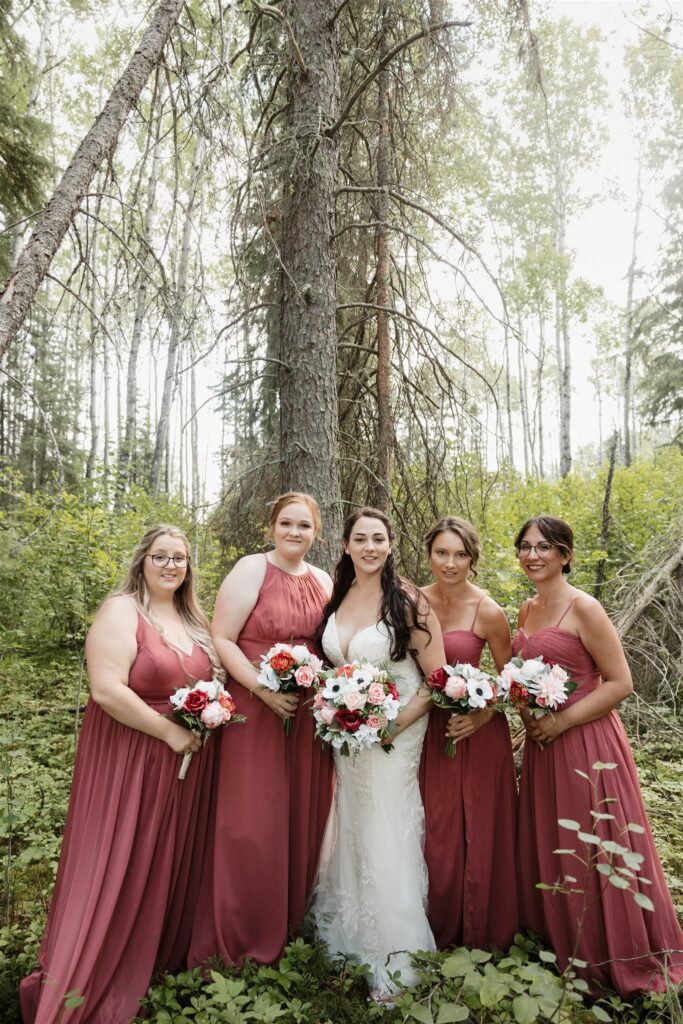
(213, 715)
(455, 688)
(304, 675)
(327, 715)
(375, 694)
(354, 699)
(374, 721)
(318, 701)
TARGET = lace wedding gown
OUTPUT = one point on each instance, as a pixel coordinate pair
(370, 901)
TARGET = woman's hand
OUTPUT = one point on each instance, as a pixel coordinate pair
(461, 726)
(180, 739)
(547, 728)
(283, 704)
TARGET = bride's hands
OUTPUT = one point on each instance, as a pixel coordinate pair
(283, 704)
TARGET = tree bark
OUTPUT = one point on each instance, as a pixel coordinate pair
(604, 531)
(628, 347)
(126, 459)
(161, 447)
(308, 372)
(34, 261)
(385, 414)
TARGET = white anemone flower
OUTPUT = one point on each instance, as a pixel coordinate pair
(480, 692)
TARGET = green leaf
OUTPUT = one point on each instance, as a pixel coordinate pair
(643, 901)
(618, 882)
(568, 823)
(632, 827)
(525, 1009)
(452, 1013)
(456, 966)
(421, 1013)
(600, 766)
(588, 837)
(601, 1014)
(73, 999)
(492, 991)
(582, 774)
(605, 869)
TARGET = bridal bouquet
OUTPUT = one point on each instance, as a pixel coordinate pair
(288, 668)
(461, 689)
(535, 685)
(354, 706)
(202, 708)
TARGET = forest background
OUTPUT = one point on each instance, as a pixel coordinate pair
(418, 253)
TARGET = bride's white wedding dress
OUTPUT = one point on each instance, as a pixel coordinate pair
(370, 900)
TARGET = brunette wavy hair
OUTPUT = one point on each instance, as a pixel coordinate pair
(555, 531)
(466, 532)
(401, 610)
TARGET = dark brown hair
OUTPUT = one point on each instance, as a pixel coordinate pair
(399, 611)
(555, 531)
(466, 532)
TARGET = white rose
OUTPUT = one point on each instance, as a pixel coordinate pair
(178, 698)
(301, 653)
(532, 668)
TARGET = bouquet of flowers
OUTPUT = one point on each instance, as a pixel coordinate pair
(535, 685)
(354, 706)
(461, 689)
(202, 708)
(289, 668)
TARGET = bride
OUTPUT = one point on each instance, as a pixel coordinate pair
(370, 900)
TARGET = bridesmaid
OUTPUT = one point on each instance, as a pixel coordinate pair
(471, 799)
(135, 834)
(273, 791)
(626, 947)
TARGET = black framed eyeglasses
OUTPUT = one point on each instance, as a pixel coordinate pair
(161, 561)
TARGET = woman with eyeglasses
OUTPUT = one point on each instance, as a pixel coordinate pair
(273, 790)
(470, 800)
(608, 906)
(134, 839)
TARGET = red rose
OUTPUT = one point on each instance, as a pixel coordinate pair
(350, 721)
(282, 662)
(195, 702)
(519, 694)
(438, 679)
(393, 691)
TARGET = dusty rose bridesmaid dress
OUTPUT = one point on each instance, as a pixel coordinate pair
(620, 941)
(470, 805)
(272, 797)
(131, 858)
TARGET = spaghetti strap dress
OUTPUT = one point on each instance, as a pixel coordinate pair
(272, 796)
(627, 948)
(470, 803)
(131, 858)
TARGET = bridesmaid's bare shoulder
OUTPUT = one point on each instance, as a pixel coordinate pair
(587, 609)
(491, 616)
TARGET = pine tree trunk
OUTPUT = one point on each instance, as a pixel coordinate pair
(308, 378)
(562, 346)
(161, 446)
(628, 346)
(385, 414)
(127, 450)
(34, 261)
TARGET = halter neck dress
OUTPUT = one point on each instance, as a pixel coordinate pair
(470, 803)
(272, 795)
(131, 858)
(621, 942)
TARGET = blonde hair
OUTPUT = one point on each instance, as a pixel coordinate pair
(466, 532)
(289, 498)
(185, 598)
